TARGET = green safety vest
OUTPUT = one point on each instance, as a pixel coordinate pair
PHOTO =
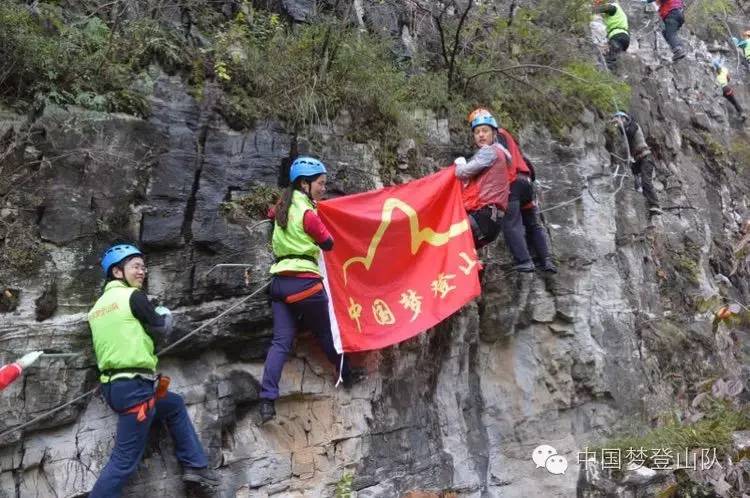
(616, 23)
(293, 240)
(120, 341)
(746, 50)
(722, 78)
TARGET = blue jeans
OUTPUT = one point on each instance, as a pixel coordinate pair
(672, 24)
(132, 435)
(309, 314)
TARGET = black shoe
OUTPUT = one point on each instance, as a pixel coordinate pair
(356, 375)
(267, 410)
(678, 54)
(548, 265)
(655, 211)
(527, 267)
(202, 476)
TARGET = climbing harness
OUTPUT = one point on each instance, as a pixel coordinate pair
(168, 348)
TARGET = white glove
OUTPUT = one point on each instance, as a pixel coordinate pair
(29, 358)
(460, 161)
(168, 318)
(162, 310)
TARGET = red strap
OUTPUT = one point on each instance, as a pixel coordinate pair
(141, 410)
(299, 296)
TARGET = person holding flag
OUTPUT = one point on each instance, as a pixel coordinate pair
(298, 298)
(510, 188)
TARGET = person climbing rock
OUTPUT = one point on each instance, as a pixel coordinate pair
(298, 298)
(642, 164)
(123, 327)
(616, 23)
(12, 371)
(671, 13)
(521, 224)
(744, 44)
(484, 182)
(722, 79)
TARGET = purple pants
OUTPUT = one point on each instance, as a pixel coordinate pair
(309, 314)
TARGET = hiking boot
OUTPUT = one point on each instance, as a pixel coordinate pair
(202, 476)
(655, 211)
(527, 267)
(548, 265)
(678, 53)
(356, 375)
(267, 410)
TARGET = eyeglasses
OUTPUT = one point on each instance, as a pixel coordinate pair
(138, 267)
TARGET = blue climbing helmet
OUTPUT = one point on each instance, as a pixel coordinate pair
(716, 62)
(116, 254)
(480, 117)
(620, 114)
(306, 166)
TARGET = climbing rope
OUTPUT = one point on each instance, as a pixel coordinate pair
(235, 305)
(168, 348)
(617, 170)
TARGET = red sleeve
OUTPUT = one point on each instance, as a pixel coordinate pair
(8, 374)
(314, 227)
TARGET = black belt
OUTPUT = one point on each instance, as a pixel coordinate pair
(297, 256)
(115, 371)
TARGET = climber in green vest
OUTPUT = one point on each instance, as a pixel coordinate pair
(744, 44)
(616, 23)
(722, 80)
(123, 327)
(298, 297)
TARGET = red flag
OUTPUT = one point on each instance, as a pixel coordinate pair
(403, 260)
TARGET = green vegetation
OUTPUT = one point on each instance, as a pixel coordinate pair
(84, 62)
(344, 486)
(712, 15)
(714, 430)
(687, 267)
(21, 249)
(254, 205)
(528, 66)
(739, 151)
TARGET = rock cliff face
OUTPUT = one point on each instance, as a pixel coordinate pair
(604, 346)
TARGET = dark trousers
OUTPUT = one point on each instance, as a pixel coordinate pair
(645, 168)
(672, 24)
(520, 225)
(618, 43)
(132, 435)
(485, 224)
(728, 93)
(311, 313)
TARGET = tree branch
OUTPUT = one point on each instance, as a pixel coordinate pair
(525, 66)
(457, 38)
(441, 32)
